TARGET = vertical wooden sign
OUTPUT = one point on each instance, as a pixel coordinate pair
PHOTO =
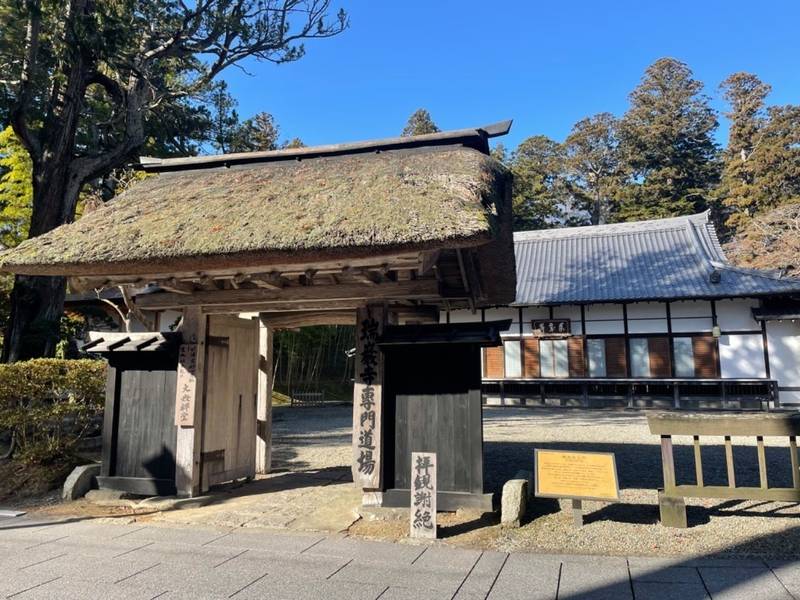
(423, 494)
(186, 385)
(367, 399)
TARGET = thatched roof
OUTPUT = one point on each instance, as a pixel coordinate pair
(287, 211)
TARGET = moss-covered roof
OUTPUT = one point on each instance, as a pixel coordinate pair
(278, 212)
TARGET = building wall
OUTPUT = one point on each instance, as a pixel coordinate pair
(784, 358)
(666, 332)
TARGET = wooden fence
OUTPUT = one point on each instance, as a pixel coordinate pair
(760, 426)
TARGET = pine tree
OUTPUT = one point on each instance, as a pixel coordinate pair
(592, 160)
(745, 94)
(762, 161)
(539, 194)
(499, 153)
(420, 123)
(256, 134)
(294, 143)
(225, 120)
(667, 144)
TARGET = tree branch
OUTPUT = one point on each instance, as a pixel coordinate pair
(19, 113)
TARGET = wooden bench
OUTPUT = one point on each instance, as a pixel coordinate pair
(671, 499)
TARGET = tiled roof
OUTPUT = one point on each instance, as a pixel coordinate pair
(676, 258)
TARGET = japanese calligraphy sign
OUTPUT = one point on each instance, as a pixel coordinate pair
(367, 400)
(423, 494)
(186, 385)
(551, 326)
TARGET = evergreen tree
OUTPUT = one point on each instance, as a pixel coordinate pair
(667, 144)
(499, 153)
(745, 94)
(256, 134)
(592, 160)
(16, 190)
(420, 123)
(82, 82)
(539, 192)
(225, 126)
(762, 161)
(294, 143)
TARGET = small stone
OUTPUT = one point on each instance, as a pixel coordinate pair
(514, 502)
(80, 481)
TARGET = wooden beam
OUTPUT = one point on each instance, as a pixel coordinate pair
(176, 286)
(324, 267)
(272, 280)
(368, 276)
(238, 279)
(428, 260)
(412, 290)
(208, 283)
(415, 314)
(307, 278)
(309, 306)
(293, 319)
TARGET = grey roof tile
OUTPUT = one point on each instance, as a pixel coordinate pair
(647, 260)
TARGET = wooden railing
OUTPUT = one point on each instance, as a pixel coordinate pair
(760, 426)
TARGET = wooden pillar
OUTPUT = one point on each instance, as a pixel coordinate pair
(189, 402)
(264, 403)
(368, 404)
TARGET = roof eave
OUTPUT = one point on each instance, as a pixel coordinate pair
(237, 261)
(476, 138)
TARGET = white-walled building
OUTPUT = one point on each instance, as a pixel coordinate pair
(642, 314)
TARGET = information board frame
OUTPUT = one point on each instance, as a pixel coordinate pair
(536, 477)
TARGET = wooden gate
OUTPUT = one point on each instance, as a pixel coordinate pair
(229, 415)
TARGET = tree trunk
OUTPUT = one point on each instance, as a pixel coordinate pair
(37, 302)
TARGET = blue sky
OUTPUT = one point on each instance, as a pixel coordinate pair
(544, 64)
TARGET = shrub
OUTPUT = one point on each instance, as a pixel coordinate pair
(50, 404)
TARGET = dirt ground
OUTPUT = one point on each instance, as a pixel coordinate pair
(311, 489)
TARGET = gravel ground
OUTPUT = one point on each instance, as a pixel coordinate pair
(312, 454)
(320, 438)
(632, 526)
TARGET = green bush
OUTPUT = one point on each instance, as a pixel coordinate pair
(50, 405)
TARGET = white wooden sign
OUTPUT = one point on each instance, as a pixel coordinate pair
(367, 401)
(187, 385)
(423, 494)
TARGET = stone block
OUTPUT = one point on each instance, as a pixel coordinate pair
(673, 511)
(80, 481)
(514, 502)
(527, 476)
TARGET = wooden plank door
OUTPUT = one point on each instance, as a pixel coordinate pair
(229, 418)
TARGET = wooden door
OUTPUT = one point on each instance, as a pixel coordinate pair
(433, 393)
(145, 431)
(229, 418)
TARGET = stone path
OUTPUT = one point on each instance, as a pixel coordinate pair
(90, 559)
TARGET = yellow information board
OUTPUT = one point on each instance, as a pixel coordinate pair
(580, 475)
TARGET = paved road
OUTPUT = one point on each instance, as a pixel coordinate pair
(86, 559)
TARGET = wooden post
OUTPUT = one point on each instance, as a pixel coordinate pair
(368, 404)
(191, 386)
(264, 406)
(577, 512)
